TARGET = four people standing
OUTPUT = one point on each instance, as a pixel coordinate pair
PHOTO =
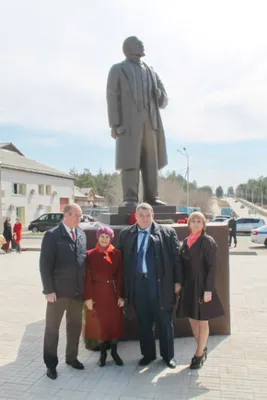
(148, 271)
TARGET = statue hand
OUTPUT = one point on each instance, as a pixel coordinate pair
(117, 131)
(158, 93)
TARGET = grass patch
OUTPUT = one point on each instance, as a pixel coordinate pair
(222, 203)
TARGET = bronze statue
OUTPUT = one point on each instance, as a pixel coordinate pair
(134, 96)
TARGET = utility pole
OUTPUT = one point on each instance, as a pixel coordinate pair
(185, 154)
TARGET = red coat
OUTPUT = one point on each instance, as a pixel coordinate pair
(18, 231)
(103, 284)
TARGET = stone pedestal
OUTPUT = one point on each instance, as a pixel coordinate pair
(119, 215)
(218, 326)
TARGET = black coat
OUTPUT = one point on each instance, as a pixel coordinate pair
(167, 253)
(199, 264)
(62, 263)
(7, 231)
(232, 226)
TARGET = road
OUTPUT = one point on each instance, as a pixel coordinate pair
(241, 212)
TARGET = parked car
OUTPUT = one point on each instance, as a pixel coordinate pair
(88, 218)
(45, 222)
(242, 206)
(259, 235)
(247, 225)
(220, 219)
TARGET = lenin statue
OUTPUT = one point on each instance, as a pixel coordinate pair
(134, 96)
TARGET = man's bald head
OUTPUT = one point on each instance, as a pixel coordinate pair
(133, 47)
(72, 215)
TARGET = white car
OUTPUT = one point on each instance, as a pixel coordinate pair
(220, 219)
(259, 235)
(247, 225)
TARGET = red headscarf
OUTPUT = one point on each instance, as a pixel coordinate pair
(108, 250)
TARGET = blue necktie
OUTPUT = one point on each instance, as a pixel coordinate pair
(140, 254)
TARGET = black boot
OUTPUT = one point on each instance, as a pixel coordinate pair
(115, 355)
(103, 355)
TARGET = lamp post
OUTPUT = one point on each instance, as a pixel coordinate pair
(185, 154)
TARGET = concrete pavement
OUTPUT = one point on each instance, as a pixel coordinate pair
(236, 367)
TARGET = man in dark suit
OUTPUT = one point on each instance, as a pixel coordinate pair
(62, 268)
(152, 278)
(135, 94)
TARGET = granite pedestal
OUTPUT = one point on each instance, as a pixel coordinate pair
(119, 215)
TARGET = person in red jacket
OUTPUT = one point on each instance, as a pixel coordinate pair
(17, 234)
(103, 295)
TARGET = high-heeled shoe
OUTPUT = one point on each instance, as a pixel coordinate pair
(197, 362)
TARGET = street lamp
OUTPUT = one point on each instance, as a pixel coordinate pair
(184, 153)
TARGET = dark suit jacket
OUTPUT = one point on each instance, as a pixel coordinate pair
(168, 262)
(62, 263)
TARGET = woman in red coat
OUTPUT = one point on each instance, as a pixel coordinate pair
(103, 295)
(17, 233)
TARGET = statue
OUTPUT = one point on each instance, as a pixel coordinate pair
(134, 96)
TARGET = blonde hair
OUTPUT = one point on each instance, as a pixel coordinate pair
(199, 215)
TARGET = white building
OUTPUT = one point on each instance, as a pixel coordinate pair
(28, 188)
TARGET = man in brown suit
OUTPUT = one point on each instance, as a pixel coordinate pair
(134, 96)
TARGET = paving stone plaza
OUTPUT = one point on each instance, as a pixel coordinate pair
(236, 367)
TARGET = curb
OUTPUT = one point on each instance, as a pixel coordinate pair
(243, 253)
(30, 249)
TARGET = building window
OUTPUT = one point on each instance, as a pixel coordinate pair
(48, 190)
(19, 188)
(41, 190)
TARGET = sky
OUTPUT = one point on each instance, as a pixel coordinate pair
(55, 56)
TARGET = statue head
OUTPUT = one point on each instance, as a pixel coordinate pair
(133, 47)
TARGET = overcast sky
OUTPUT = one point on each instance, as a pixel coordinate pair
(211, 56)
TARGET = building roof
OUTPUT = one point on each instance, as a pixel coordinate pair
(85, 190)
(12, 158)
(10, 146)
(79, 193)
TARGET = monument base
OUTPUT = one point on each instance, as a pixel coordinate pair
(119, 215)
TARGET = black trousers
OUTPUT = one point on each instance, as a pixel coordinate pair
(232, 235)
(148, 315)
(54, 314)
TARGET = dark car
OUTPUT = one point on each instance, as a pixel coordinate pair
(45, 222)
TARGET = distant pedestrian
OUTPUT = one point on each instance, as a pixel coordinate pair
(199, 300)
(17, 234)
(7, 234)
(62, 268)
(232, 230)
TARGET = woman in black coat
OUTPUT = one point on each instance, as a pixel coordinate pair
(7, 233)
(199, 300)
